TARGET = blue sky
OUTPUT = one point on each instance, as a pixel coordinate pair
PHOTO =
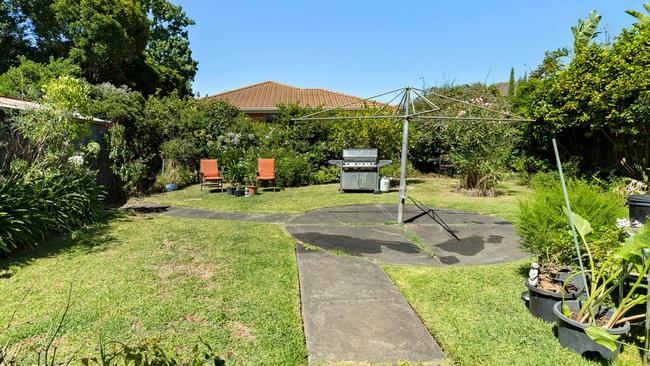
(366, 47)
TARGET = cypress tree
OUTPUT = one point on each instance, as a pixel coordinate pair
(511, 83)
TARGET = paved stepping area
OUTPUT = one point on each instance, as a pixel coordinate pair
(352, 312)
(368, 231)
(273, 218)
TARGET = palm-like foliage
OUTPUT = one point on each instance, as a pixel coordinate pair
(585, 31)
(642, 18)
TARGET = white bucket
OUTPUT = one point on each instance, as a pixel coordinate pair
(384, 184)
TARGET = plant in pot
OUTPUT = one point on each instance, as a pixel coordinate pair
(543, 229)
(638, 200)
(238, 177)
(172, 177)
(251, 183)
(591, 325)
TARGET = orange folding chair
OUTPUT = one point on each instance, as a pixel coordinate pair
(266, 172)
(210, 175)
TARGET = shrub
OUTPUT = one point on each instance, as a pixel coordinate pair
(543, 226)
(72, 199)
(326, 174)
(479, 151)
(180, 151)
(55, 201)
(292, 170)
(22, 223)
(393, 170)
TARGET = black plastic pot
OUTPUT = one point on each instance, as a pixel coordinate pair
(639, 206)
(239, 192)
(541, 302)
(231, 190)
(572, 334)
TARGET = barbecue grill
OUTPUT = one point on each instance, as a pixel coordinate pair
(360, 170)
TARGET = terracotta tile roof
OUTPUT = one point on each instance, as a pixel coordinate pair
(266, 96)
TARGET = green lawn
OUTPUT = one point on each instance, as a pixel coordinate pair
(436, 192)
(477, 316)
(232, 284)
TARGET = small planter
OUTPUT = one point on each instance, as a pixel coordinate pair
(541, 302)
(639, 207)
(171, 187)
(572, 334)
(252, 190)
(239, 192)
(231, 191)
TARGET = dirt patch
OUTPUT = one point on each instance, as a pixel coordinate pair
(196, 319)
(204, 271)
(241, 331)
(136, 324)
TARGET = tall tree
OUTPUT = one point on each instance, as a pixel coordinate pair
(142, 44)
(13, 35)
(511, 83)
(169, 43)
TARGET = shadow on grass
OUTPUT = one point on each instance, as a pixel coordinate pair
(90, 239)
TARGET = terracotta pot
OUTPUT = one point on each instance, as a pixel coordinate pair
(252, 190)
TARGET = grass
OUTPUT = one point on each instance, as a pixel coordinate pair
(477, 316)
(436, 192)
(232, 284)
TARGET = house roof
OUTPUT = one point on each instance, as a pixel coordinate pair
(266, 96)
(19, 104)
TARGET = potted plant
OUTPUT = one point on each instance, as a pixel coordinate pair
(251, 183)
(639, 201)
(543, 232)
(170, 177)
(589, 325)
(238, 175)
(545, 288)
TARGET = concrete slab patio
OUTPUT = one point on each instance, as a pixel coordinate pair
(353, 313)
(366, 231)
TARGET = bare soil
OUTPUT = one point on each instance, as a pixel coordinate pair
(548, 281)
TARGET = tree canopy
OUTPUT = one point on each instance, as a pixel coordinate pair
(142, 44)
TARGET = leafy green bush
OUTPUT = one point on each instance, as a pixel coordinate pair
(326, 174)
(393, 170)
(22, 223)
(292, 170)
(479, 151)
(55, 201)
(543, 226)
(180, 151)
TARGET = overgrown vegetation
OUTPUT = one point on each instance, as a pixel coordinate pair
(542, 223)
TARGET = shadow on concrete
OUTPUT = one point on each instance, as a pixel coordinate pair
(354, 246)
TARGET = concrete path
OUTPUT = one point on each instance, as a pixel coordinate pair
(366, 231)
(273, 218)
(352, 312)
